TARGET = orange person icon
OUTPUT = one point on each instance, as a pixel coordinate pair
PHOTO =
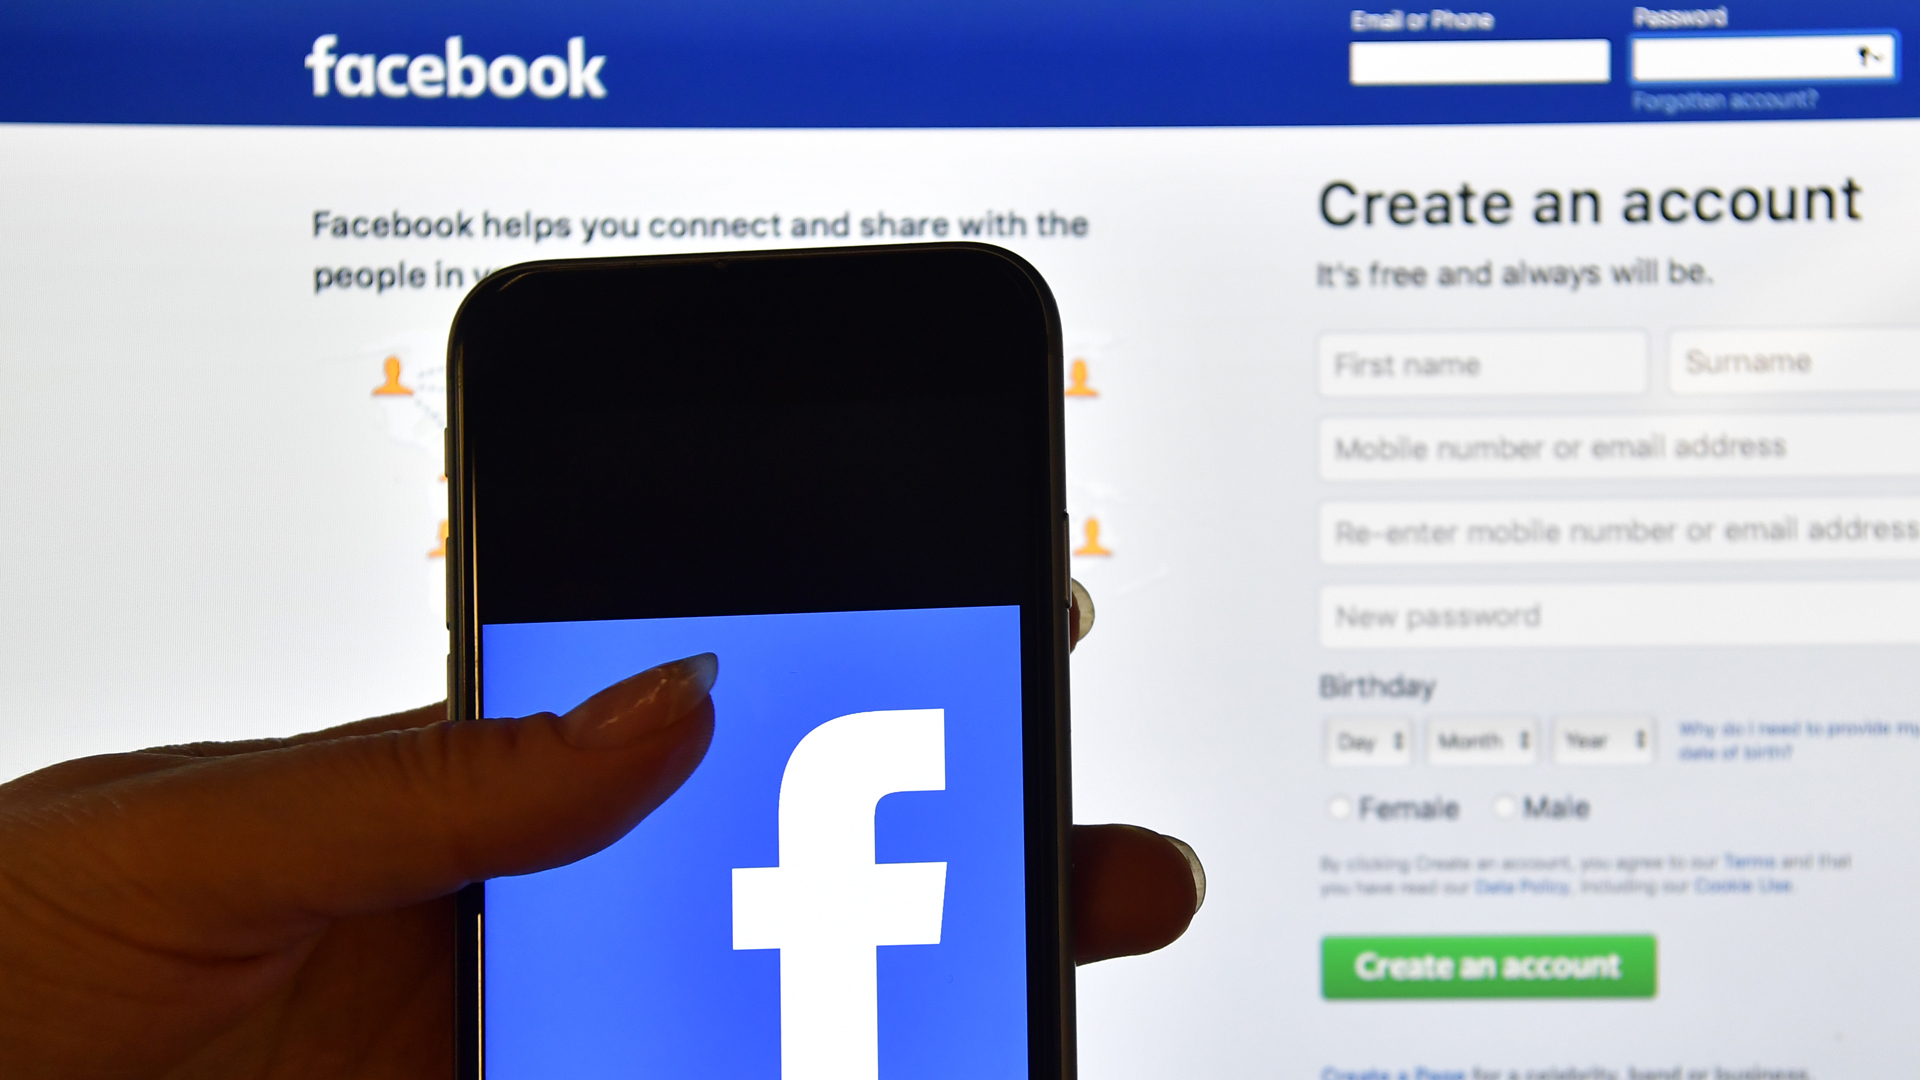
(440, 552)
(1077, 381)
(392, 387)
(1093, 545)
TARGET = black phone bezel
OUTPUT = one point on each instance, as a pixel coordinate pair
(1044, 619)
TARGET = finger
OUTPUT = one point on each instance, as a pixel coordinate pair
(411, 718)
(1079, 612)
(1134, 890)
(374, 997)
(54, 781)
(104, 768)
(246, 853)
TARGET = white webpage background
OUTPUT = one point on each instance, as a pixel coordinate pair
(212, 530)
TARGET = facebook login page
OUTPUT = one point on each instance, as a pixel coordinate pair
(838, 891)
(1493, 446)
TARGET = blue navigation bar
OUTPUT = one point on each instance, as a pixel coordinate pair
(930, 63)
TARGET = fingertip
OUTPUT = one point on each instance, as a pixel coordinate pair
(1134, 891)
(706, 667)
(642, 704)
(1080, 611)
(1193, 864)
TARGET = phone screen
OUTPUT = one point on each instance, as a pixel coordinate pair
(838, 475)
(837, 889)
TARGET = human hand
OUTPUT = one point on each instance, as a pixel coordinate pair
(282, 908)
(1134, 890)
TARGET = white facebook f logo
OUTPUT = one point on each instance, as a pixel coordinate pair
(828, 904)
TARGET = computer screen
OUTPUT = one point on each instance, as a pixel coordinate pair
(1493, 447)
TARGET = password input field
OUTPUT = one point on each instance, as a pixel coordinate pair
(1479, 63)
(1760, 58)
(1615, 615)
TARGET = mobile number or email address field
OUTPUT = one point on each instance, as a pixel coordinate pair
(1635, 446)
(1619, 531)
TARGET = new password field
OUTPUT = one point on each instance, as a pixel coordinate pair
(1620, 615)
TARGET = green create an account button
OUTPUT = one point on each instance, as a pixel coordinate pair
(1541, 966)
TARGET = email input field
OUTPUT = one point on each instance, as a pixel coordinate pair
(1452, 363)
(1481, 63)
(1639, 446)
(1619, 531)
(1620, 615)
(1786, 361)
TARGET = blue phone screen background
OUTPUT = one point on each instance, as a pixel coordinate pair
(622, 965)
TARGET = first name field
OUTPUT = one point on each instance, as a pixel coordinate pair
(1493, 363)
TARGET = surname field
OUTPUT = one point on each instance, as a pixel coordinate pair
(1619, 531)
(1620, 615)
(1791, 361)
(1452, 363)
(1636, 446)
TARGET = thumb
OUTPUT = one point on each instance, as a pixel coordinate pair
(249, 852)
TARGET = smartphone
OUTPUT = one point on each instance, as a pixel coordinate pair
(840, 470)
